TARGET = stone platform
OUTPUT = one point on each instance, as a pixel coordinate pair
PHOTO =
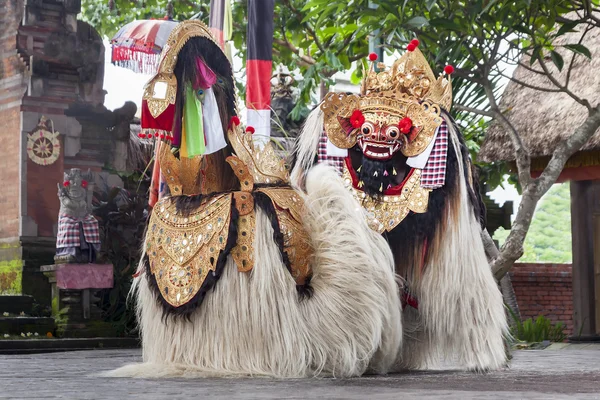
(74, 301)
(533, 374)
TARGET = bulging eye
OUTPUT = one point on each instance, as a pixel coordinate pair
(392, 132)
(367, 128)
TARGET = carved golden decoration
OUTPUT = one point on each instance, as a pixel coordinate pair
(264, 165)
(388, 107)
(387, 211)
(184, 249)
(210, 179)
(182, 175)
(243, 252)
(243, 174)
(335, 106)
(161, 90)
(289, 208)
(411, 75)
(43, 145)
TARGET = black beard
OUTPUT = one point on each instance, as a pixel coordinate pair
(375, 175)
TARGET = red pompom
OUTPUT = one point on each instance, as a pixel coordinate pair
(162, 136)
(411, 47)
(141, 135)
(372, 56)
(66, 183)
(84, 184)
(405, 125)
(250, 129)
(415, 42)
(449, 69)
(234, 121)
(156, 134)
(357, 119)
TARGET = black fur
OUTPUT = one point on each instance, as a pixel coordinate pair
(214, 58)
(474, 192)
(376, 175)
(417, 228)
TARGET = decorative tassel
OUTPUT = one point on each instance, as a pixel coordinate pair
(389, 187)
(361, 184)
(394, 171)
(381, 187)
(375, 173)
(385, 173)
(359, 168)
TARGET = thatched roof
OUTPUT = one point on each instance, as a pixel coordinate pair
(545, 119)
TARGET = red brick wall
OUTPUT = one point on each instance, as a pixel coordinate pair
(9, 172)
(11, 92)
(42, 198)
(544, 289)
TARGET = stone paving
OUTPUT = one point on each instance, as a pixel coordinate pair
(571, 372)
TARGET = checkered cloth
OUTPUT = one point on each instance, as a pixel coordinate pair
(68, 231)
(434, 173)
(336, 162)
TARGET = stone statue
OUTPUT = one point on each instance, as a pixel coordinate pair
(282, 102)
(78, 239)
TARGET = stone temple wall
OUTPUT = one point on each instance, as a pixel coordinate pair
(51, 65)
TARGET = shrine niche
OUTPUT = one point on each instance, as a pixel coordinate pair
(43, 144)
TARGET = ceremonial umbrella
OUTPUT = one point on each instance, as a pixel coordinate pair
(137, 45)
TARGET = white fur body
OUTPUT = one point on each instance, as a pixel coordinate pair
(461, 313)
(256, 323)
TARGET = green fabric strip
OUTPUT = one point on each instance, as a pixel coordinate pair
(192, 120)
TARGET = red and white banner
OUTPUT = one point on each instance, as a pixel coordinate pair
(259, 66)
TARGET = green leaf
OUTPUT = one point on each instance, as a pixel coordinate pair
(489, 5)
(568, 27)
(416, 22)
(447, 24)
(557, 60)
(579, 48)
(429, 4)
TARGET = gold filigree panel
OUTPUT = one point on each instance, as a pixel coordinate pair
(184, 249)
(289, 207)
(388, 211)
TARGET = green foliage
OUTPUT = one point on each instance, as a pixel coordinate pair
(122, 216)
(549, 236)
(538, 330)
(108, 22)
(11, 276)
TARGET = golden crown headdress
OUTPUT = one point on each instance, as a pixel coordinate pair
(408, 89)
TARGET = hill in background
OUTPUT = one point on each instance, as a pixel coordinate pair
(549, 237)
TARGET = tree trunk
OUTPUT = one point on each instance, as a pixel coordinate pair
(506, 287)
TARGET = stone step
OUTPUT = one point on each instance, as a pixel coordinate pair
(44, 345)
(18, 325)
(16, 304)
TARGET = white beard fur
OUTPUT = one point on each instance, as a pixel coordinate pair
(306, 147)
(461, 314)
(255, 324)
